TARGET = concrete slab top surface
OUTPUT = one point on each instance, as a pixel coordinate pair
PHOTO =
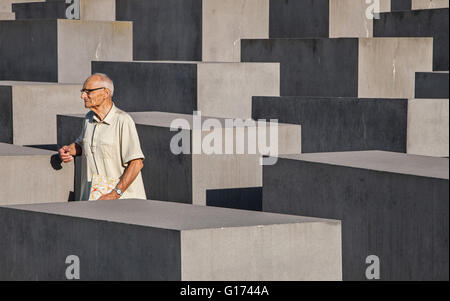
(24, 83)
(166, 215)
(165, 119)
(17, 150)
(424, 166)
(191, 62)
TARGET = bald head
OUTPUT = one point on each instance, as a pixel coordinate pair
(102, 80)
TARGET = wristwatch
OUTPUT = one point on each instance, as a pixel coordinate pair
(119, 192)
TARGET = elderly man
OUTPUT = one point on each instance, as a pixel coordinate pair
(109, 143)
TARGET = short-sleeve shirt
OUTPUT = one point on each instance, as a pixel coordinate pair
(108, 147)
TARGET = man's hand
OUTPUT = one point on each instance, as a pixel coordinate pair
(65, 155)
(113, 195)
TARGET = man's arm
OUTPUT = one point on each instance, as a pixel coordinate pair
(129, 175)
(67, 152)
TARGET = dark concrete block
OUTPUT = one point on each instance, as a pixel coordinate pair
(394, 206)
(186, 177)
(400, 5)
(31, 50)
(151, 240)
(431, 85)
(6, 116)
(418, 23)
(161, 87)
(340, 124)
(164, 30)
(107, 250)
(299, 19)
(215, 89)
(40, 10)
(238, 198)
(309, 67)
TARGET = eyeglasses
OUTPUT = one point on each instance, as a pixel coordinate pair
(88, 91)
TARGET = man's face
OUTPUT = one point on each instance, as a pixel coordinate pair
(95, 98)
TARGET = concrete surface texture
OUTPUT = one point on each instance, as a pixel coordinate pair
(6, 5)
(428, 121)
(195, 172)
(69, 47)
(94, 10)
(176, 238)
(38, 104)
(323, 18)
(431, 85)
(102, 40)
(394, 206)
(387, 66)
(31, 175)
(340, 124)
(215, 89)
(7, 16)
(429, 4)
(224, 23)
(164, 30)
(344, 67)
(419, 23)
(401, 5)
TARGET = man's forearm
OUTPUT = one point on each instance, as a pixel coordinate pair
(130, 174)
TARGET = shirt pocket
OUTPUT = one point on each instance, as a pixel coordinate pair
(106, 150)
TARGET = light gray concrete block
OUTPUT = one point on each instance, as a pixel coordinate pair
(7, 16)
(429, 4)
(226, 22)
(428, 122)
(34, 110)
(30, 175)
(387, 66)
(152, 240)
(354, 18)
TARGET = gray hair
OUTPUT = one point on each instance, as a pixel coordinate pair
(106, 81)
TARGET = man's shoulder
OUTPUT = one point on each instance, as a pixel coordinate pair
(123, 116)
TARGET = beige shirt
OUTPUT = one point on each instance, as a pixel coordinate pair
(108, 146)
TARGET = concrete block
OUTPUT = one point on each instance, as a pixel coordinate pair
(152, 240)
(68, 45)
(429, 4)
(215, 89)
(30, 111)
(418, 23)
(400, 5)
(6, 5)
(224, 23)
(7, 16)
(340, 124)
(428, 121)
(30, 175)
(186, 177)
(95, 10)
(344, 67)
(431, 85)
(391, 205)
(323, 18)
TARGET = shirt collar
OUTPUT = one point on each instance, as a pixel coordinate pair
(109, 117)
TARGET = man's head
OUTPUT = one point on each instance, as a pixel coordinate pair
(97, 91)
